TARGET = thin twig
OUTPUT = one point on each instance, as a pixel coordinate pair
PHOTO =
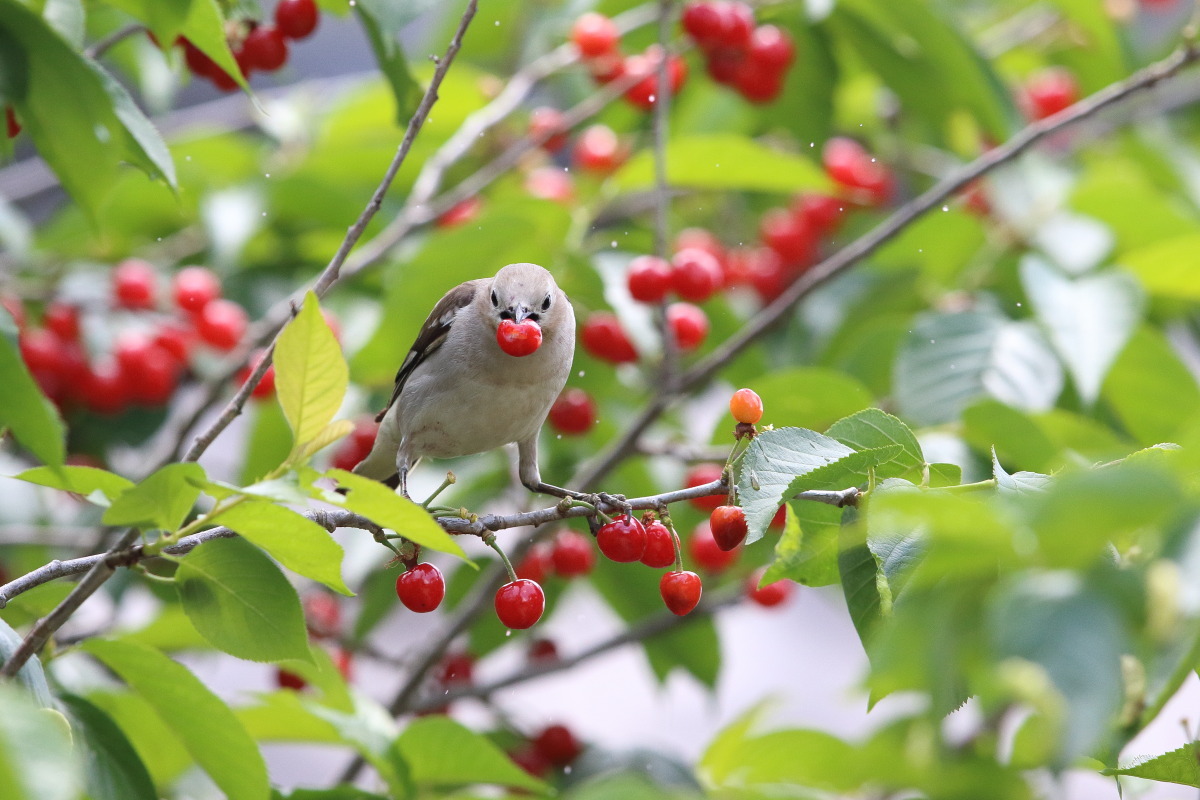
(669, 366)
(101, 46)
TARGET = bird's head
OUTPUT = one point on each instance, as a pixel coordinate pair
(524, 302)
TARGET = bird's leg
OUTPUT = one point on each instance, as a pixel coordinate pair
(531, 479)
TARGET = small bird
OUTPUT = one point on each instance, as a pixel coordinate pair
(459, 391)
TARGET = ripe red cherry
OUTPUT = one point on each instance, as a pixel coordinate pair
(558, 745)
(779, 520)
(700, 475)
(265, 48)
(603, 337)
(421, 588)
(622, 540)
(460, 213)
(572, 555)
(703, 549)
(643, 93)
(530, 759)
(772, 47)
(195, 287)
(543, 651)
(10, 119)
(573, 413)
(660, 549)
(289, 680)
(757, 82)
(789, 236)
(42, 351)
(595, 35)
(1049, 92)
(848, 163)
(703, 22)
(103, 388)
(222, 324)
(770, 595)
(134, 284)
(821, 212)
(535, 565)
(343, 659)
(695, 274)
(680, 591)
(550, 183)
(296, 18)
(728, 526)
(649, 279)
(519, 338)
(456, 669)
(265, 387)
(322, 615)
(63, 320)
(689, 325)
(599, 150)
(153, 378)
(548, 122)
(355, 447)
(520, 604)
(746, 406)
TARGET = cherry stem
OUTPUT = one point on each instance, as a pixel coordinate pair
(450, 480)
(665, 517)
(727, 471)
(489, 539)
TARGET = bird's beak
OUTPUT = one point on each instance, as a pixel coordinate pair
(520, 313)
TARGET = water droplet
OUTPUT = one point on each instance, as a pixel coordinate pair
(266, 175)
(567, 770)
(945, 208)
(1018, 305)
(582, 373)
(933, 341)
(614, 242)
(507, 633)
(651, 98)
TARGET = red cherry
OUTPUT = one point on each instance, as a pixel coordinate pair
(603, 337)
(322, 615)
(535, 565)
(606, 69)
(265, 388)
(689, 325)
(680, 591)
(573, 413)
(355, 447)
(572, 555)
(643, 93)
(789, 236)
(195, 287)
(765, 271)
(197, 62)
(63, 320)
(296, 19)
(701, 239)
(265, 48)
(700, 475)
(649, 279)
(820, 212)
(622, 540)
(343, 659)
(737, 24)
(10, 119)
(549, 125)
(595, 35)
(103, 389)
(770, 595)
(543, 651)
(599, 150)
(728, 526)
(550, 183)
(460, 213)
(154, 378)
(530, 759)
(703, 22)
(779, 520)
(703, 549)
(771, 47)
(519, 338)
(289, 680)
(660, 548)
(456, 669)
(746, 406)
(696, 274)
(848, 163)
(520, 604)
(421, 588)
(558, 745)
(42, 350)
(723, 65)
(1049, 92)
(222, 324)
(134, 284)
(222, 79)
(757, 82)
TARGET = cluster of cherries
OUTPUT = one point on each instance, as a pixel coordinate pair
(323, 615)
(751, 59)
(520, 603)
(149, 356)
(599, 44)
(256, 46)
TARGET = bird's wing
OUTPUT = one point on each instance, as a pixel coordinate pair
(433, 334)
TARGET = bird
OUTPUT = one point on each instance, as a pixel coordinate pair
(458, 392)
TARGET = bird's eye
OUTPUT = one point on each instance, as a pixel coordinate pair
(546, 303)
(495, 299)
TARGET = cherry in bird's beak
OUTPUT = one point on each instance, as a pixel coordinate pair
(519, 337)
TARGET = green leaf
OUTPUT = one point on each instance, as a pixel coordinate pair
(859, 571)
(949, 360)
(1017, 483)
(1089, 319)
(738, 762)
(36, 758)
(157, 747)
(206, 726)
(284, 717)
(807, 552)
(389, 55)
(441, 752)
(30, 676)
(941, 475)
(294, 540)
(26, 412)
(112, 767)
(99, 486)
(162, 500)
(310, 374)
(1178, 766)
(871, 429)
(145, 146)
(328, 435)
(724, 162)
(239, 600)
(387, 509)
(1165, 268)
(269, 441)
(369, 728)
(991, 425)
(323, 676)
(1145, 373)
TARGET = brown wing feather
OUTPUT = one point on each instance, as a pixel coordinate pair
(433, 333)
